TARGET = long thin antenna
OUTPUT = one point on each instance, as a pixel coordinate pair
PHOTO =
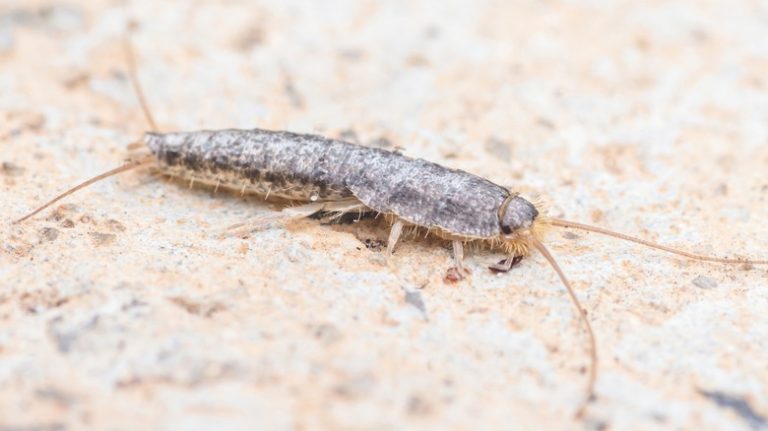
(651, 244)
(128, 166)
(583, 316)
(134, 78)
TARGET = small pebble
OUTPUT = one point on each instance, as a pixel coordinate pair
(11, 169)
(414, 298)
(115, 226)
(328, 333)
(704, 282)
(100, 239)
(570, 235)
(49, 234)
(498, 148)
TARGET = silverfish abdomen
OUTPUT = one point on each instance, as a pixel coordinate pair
(311, 167)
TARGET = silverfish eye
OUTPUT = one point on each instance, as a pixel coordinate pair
(518, 214)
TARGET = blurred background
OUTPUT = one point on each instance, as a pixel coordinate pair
(123, 310)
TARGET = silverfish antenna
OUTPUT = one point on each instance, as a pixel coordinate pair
(133, 77)
(126, 167)
(583, 317)
(651, 244)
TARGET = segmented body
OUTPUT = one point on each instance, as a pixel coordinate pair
(313, 168)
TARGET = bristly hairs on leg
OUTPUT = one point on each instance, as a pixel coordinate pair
(141, 161)
(590, 391)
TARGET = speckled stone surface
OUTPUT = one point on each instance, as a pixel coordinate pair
(125, 309)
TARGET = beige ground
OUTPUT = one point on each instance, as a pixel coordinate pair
(124, 310)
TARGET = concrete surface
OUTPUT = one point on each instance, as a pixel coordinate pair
(122, 309)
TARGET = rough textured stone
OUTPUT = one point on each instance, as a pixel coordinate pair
(647, 117)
